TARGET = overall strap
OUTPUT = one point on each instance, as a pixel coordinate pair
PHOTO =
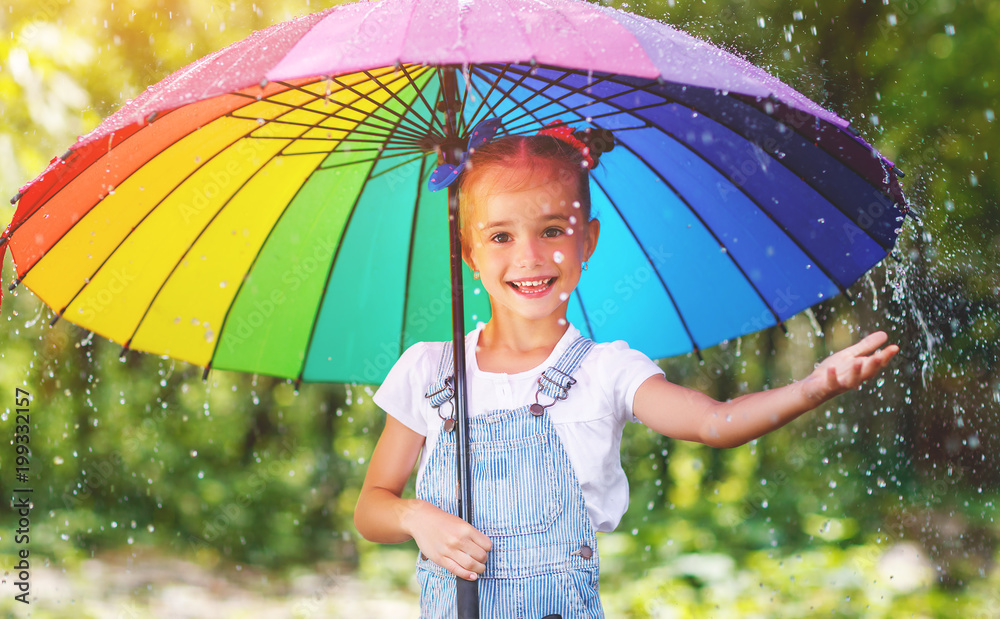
(443, 387)
(556, 380)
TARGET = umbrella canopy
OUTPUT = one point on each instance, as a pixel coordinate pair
(266, 210)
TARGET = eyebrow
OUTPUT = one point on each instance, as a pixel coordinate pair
(507, 223)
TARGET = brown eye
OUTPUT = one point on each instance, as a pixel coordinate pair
(500, 237)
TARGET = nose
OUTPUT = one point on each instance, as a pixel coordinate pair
(530, 254)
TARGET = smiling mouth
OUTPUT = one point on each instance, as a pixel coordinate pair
(532, 286)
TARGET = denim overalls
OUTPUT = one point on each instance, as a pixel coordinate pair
(525, 498)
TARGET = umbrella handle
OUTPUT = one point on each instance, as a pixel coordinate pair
(468, 598)
(467, 591)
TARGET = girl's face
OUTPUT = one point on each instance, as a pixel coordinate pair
(528, 245)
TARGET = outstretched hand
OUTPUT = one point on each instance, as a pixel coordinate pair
(845, 370)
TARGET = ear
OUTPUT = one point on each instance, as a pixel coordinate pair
(466, 249)
(590, 243)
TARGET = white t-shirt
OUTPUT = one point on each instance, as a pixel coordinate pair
(589, 421)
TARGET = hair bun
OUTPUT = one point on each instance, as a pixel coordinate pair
(599, 141)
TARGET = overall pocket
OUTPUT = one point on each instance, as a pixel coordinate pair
(515, 490)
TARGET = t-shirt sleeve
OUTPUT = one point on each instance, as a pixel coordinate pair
(625, 370)
(402, 392)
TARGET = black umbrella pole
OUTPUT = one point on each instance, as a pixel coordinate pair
(468, 591)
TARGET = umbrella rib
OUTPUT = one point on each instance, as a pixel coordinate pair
(365, 114)
(483, 99)
(401, 144)
(420, 130)
(333, 265)
(398, 165)
(586, 317)
(288, 123)
(184, 255)
(706, 226)
(350, 163)
(420, 93)
(659, 276)
(570, 92)
(535, 93)
(593, 100)
(148, 213)
(749, 197)
(742, 190)
(496, 86)
(408, 108)
(410, 251)
(467, 78)
(669, 99)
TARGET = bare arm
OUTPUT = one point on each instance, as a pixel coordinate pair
(383, 516)
(689, 415)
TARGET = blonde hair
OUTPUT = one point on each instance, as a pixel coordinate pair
(510, 163)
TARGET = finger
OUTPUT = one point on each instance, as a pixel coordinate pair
(458, 570)
(888, 353)
(477, 553)
(869, 344)
(832, 380)
(877, 362)
(470, 557)
(480, 539)
(854, 374)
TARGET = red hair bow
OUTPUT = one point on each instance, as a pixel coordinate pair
(561, 131)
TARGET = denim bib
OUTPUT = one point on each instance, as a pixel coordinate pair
(525, 497)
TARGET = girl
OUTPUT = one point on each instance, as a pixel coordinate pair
(546, 406)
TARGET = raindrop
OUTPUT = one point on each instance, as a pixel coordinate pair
(892, 19)
(558, 257)
(949, 29)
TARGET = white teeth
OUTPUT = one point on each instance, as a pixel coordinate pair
(532, 284)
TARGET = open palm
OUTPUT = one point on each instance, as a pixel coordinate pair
(845, 370)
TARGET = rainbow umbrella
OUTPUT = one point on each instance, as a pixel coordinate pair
(266, 209)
